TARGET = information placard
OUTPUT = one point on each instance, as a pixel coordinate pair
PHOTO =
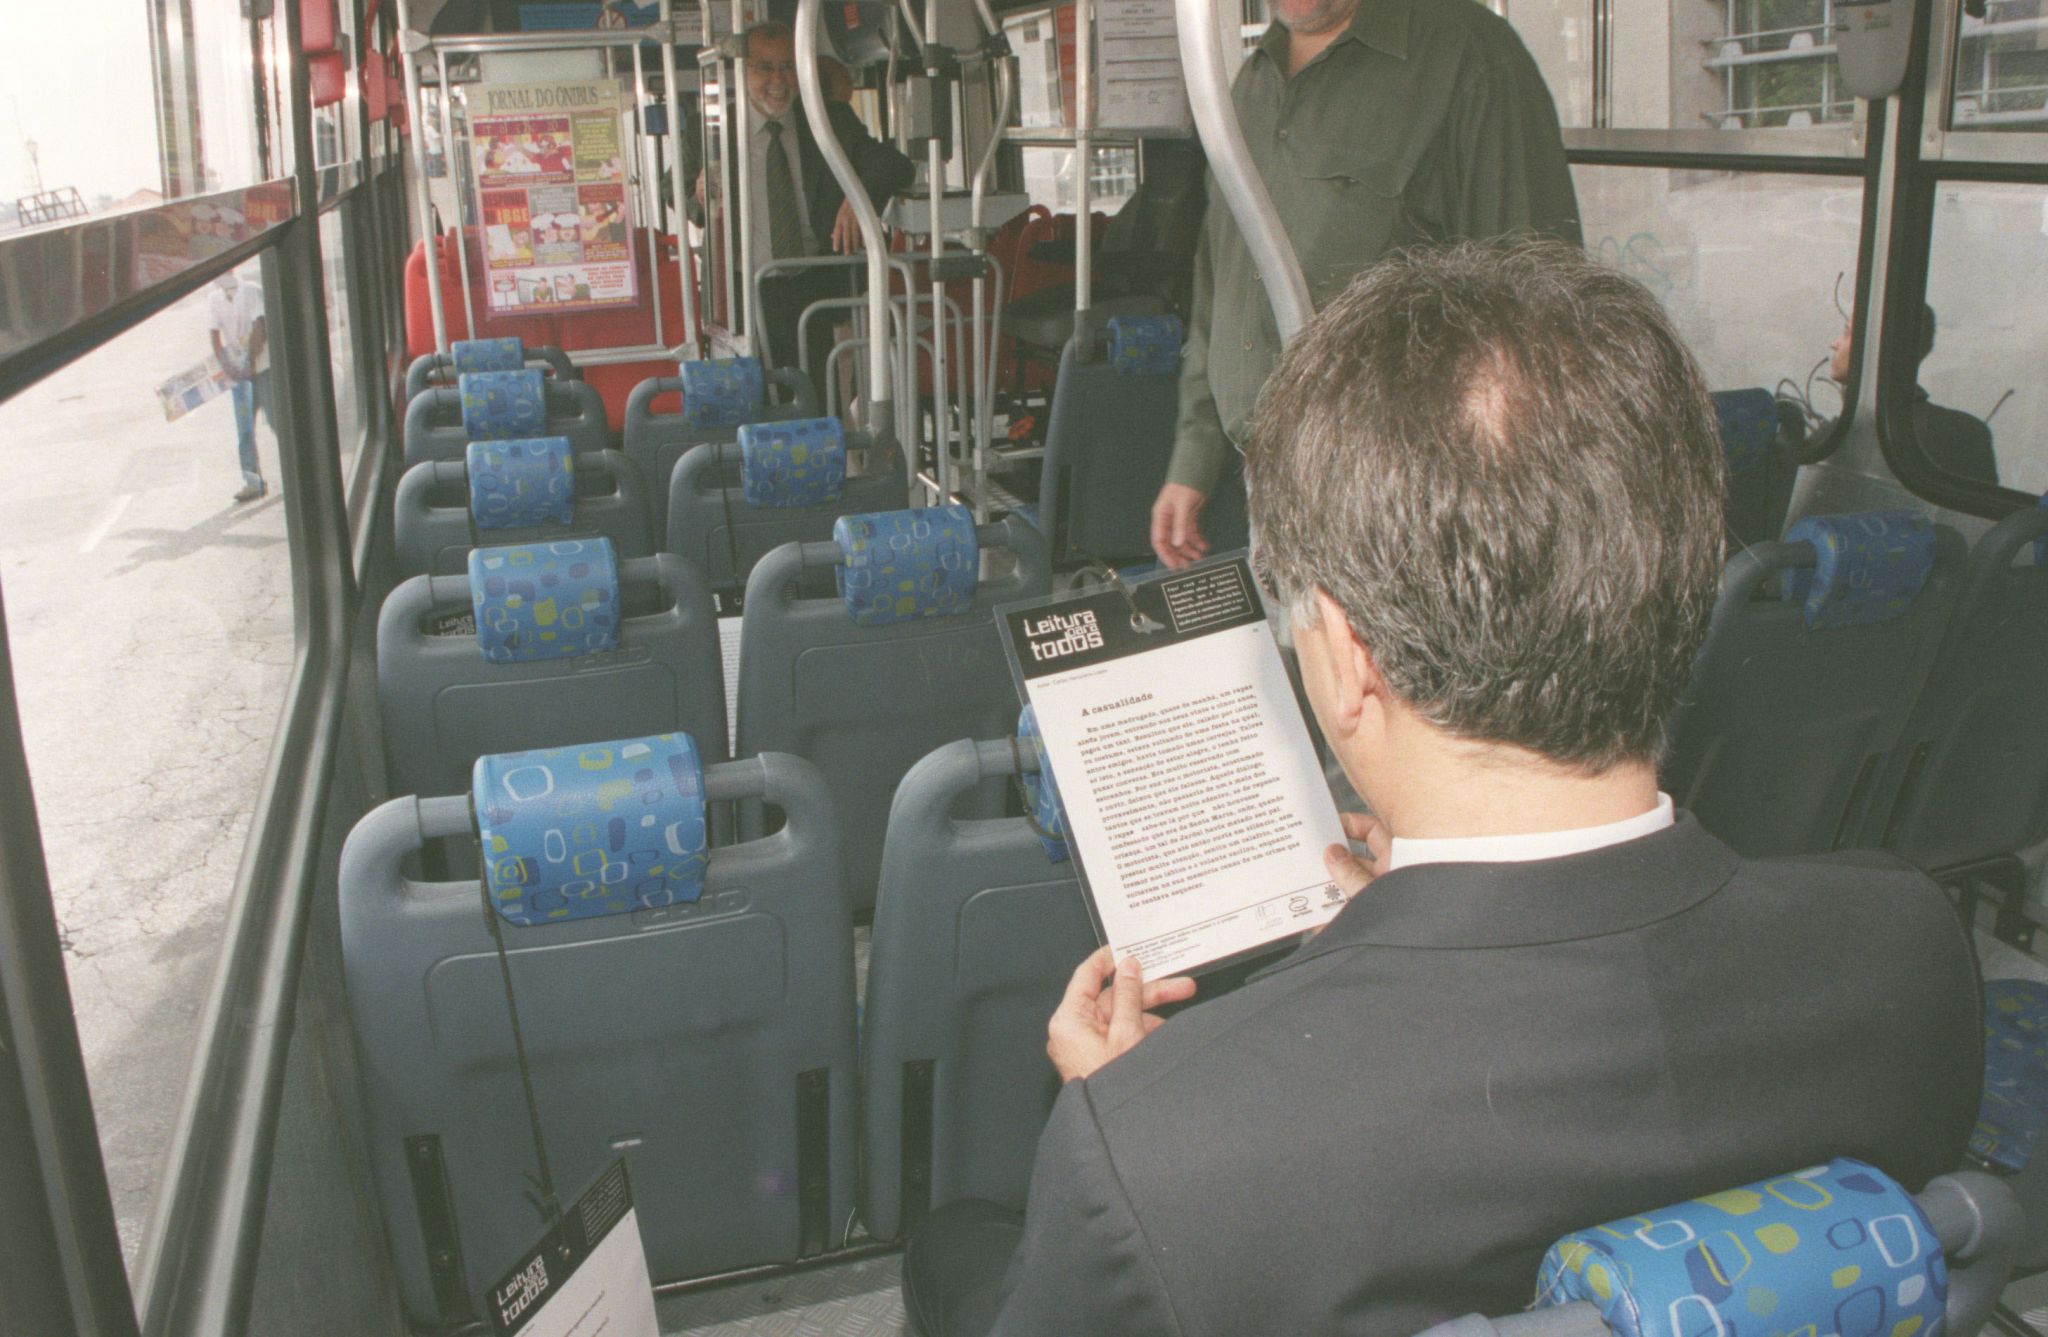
(588, 1275)
(1196, 808)
(549, 168)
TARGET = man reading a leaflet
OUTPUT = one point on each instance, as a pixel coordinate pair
(1486, 483)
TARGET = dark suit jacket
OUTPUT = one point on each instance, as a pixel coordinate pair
(1956, 441)
(1390, 1126)
(882, 170)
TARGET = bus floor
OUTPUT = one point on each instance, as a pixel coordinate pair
(861, 1298)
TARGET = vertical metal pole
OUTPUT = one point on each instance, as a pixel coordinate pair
(741, 141)
(60, 1253)
(1084, 162)
(984, 345)
(935, 196)
(646, 157)
(686, 269)
(455, 180)
(417, 104)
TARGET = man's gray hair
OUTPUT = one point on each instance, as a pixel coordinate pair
(1501, 462)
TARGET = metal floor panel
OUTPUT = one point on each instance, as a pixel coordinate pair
(858, 1299)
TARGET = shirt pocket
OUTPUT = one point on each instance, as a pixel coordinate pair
(1350, 211)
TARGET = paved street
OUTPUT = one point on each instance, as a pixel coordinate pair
(150, 624)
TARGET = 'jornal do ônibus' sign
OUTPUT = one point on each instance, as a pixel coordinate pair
(550, 178)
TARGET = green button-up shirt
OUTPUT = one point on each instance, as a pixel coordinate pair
(1426, 120)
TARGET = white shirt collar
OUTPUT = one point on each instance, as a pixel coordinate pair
(1523, 849)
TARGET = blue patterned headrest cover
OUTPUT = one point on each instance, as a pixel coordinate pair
(799, 463)
(1749, 427)
(503, 405)
(602, 829)
(1839, 1249)
(545, 600)
(2015, 1103)
(1049, 819)
(1145, 345)
(1867, 566)
(898, 566)
(466, 355)
(517, 484)
(723, 392)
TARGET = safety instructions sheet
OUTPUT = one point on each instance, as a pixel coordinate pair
(1196, 808)
(588, 1275)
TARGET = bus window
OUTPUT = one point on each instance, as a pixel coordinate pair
(1758, 269)
(90, 130)
(2001, 73)
(1721, 65)
(149, 618)
(349, 408)
(1049, 177)
(1987, 284)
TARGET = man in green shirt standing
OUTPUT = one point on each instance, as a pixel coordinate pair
(1375, 124)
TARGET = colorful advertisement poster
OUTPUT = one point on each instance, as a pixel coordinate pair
(549, 165)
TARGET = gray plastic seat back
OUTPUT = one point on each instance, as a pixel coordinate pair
(656, 440)
(1969, 779)
(432, 527)
(976, 934)
(433, 421)
(444, 706)
(710, 522)
(712, 1044)
(864, 704)
(1777, 743)
(429, 370)
(1107, 443)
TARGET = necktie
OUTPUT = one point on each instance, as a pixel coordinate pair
(785, 229)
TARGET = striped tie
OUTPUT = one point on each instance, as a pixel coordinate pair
(785, 229)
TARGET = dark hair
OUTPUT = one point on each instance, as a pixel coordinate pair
(1501, 462)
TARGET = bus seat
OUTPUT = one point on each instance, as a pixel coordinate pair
(712, 399)
(1840, 1246)
(1107, 444)
(1816, 652)
(2015, 1105)
(499, 405)
(1760, 469)
(707, 1038)
(445, 507)
(632, 326)
(1969, 779)
(445, 704)
(977, 929)
(864, 688)
(713, 522)
(536, 330)
(466, 355)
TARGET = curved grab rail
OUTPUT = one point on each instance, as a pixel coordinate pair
(1201, 59)
(881, 419)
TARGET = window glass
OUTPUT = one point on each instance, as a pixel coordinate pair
(2001, 78)
(150, 624)
(179, 79)
(1049, 177)
(1987, 284)
(1756, 269)
(1691, 65)
(334, 263)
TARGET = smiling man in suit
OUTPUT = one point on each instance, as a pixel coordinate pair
(796, 207)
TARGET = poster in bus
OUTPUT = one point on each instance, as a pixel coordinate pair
(549, 170)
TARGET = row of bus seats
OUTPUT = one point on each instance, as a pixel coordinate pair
(753, 969)
(1867, 682)
(739, 466)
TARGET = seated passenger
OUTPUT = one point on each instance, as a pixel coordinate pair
(1486, 481)
(1956, 442)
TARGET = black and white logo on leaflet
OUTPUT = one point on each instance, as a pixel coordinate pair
(1058, 635)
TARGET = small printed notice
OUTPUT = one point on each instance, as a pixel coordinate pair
(586, 1278)
(1142, 85)
(1196, 808)
(550, 173)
